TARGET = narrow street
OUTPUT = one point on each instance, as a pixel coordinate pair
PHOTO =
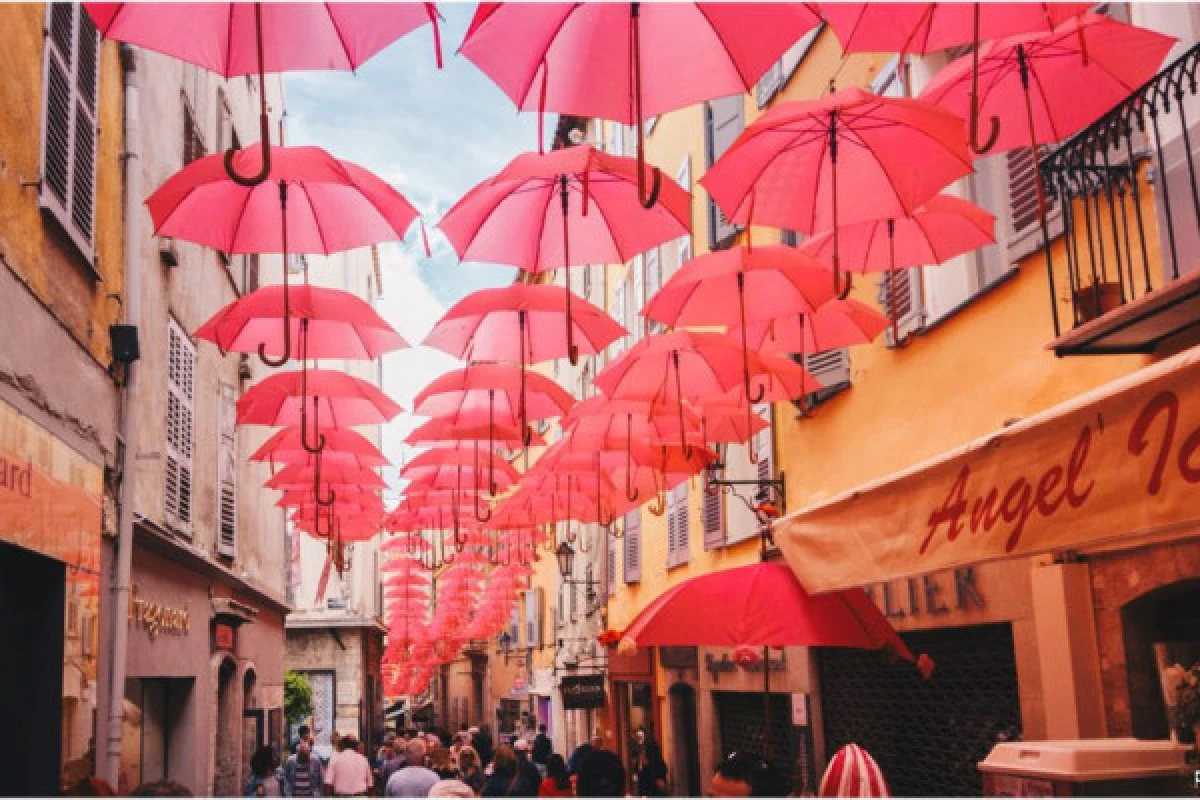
(600, 399)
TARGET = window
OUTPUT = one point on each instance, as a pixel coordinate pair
(683, 249)
(533, 617)
(610, 574)
(69, 134)
(832, 370)
(678, 546)
(636, 299)
(723, 121)
(781, 71)
(633, 545)
(900, 298)
(514, 628)
(616, 139)
(226, 134)
(618, 312)
(714, 519)
(181, 360)
(763, 443)
(227, 472)
(654, 281)
(193, 141)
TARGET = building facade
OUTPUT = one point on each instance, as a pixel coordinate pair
(1066, 640)
(61, 273)
(335, 635)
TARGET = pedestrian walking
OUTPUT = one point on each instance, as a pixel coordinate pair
(481, 740)
(393, 760)
(532, 775)
(557, 782)
(262, 781)
(746, 774)
(651, 776)
(507, 778)
(303, 774)
(451, 788)
(601, 774)
(542, 746)
(583, 751)
(470, 771)
(349, 773)
(414, 779)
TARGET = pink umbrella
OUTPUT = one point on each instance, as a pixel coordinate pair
(572, 206)
(244, 38)
(923, 28)
(335, 206)
(343, 447)
(446, 430)
(785, 169)
(521, 323)
(630, 61)
(839, 323)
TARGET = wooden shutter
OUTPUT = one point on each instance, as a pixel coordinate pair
(633, 546)
(723, 122)
(181, 360)
(533, 617)
(714, 519)
(514, 627)
(763, 444)
(832, 369)
(683, 249)
(227, 473)
(635, 298)
(1022, 191)
(677, 526)
(71, 67)
(654, 280)
(900, 298)
(610, 573)
(618, 312)
(616, 138)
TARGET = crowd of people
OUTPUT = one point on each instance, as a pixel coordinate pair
(468, 764)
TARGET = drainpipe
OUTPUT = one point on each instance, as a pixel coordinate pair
(110, 761)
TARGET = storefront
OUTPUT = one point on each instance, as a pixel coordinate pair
(1052, 570)
(51, 521)
(633, 703)
(205, 671)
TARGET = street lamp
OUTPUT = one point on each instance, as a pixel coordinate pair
(565, 554)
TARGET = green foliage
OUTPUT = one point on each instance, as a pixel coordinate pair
(297, 697)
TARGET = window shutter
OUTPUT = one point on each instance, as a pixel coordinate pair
(682, 525)
(618, 312)
(71, 88)
(514, 627)
(763, 444)
(714, 519)
(654, 273)
(633, 546)
(610, 574)
(181, 359)
(616, 139)
(769, 84)
(723, 123)
(900, 299)
(1022, 191)
(227, 473)
(683, 249)
(533, 617)
(636, 298)
(832, 369)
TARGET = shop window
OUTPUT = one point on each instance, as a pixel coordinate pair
(181, 361)
(71, 70)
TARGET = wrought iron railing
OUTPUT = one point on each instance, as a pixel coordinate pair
(1128, 219)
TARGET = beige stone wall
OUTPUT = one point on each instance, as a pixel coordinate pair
(319, 649)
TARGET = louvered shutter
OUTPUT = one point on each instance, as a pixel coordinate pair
(635, 299)
(227, 473)
(618, 312)
(714, 519)
(1022, 191)
(533, 617)
(769, 84)
(831, 368)
(683, 248)
(610, 574)
(71, 67)
(514, 627)
(181, 359)
(763, 444)
(616, 139)
(900, 299)
(654, 280)
(633, 546)
(723, 123)
(678, 525)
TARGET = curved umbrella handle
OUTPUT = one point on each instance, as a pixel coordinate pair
(993, 122)
(287, 308)
(478, 516)
(659, 506)
(564, 194)
(526, 432)
(683, 440)
(631, 492)
(647, 200)
(839, 291)
(491, 445)
(319, 446)
(264, 124)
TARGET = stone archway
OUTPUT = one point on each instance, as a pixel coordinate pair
(227, 729)
(253, 723)
(1162, 624)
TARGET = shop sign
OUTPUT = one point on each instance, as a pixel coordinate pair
(582, 691)
(1117, 462)
(928, 595)
(155, 617)
(679, 657)
(224, 637)
(726, 665)
(51, 498)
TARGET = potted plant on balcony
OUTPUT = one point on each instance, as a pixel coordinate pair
(1097, 299)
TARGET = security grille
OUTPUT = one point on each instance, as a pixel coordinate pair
(741, 724)
(927, 736)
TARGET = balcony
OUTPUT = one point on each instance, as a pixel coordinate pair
(1125, 274)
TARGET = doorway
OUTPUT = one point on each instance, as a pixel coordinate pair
(685, 743)
(228, 732)
(31, 670)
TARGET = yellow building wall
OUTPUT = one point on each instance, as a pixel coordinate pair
(32, 245)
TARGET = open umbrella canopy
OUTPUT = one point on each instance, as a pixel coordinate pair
(888, 154)
(329, 205)
(761, 605)
(493, 389)
(945, 226)
(343, 447)
(578, 58)
(1044, 87)
(340, 400)
(225, 37)
(303, 477)
(569, 207)
(335, 324)
(839, 323)
(496, 324)
(469, 428)
(922, 28)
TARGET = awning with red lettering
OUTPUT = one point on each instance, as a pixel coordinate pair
(1120, 461)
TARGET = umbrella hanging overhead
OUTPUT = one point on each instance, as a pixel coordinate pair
(888, 155)
(521, 323)
(630, 61)
(313, 203)
(839, 323)
(447, 430)
(343, 447)
(233, 39)
(923, 28)
(569, 207)
(338, 324)
(342, 399)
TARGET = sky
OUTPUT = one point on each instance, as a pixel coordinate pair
(432, 134)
